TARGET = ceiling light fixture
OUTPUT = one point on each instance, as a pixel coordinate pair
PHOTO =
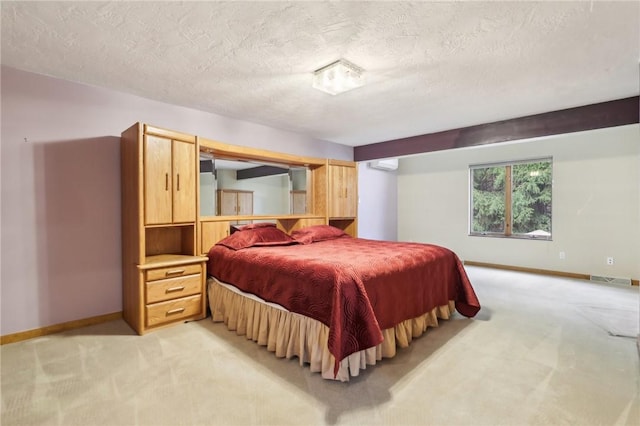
(338, 77)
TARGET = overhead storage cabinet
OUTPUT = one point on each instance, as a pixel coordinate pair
(169, 180)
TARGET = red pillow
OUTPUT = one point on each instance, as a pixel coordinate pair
(257, 225)
(236, 228)
(315, 233)
(256, 236)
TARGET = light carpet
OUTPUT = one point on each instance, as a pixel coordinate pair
(542, 351)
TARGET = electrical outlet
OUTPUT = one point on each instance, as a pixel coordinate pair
(562, 255)
(609, 260)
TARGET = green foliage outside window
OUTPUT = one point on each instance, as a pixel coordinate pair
(488, 199)
(531, 197)
(529, 194)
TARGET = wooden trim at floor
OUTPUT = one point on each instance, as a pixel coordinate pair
(536, 271)
(70, 325)
(56, 328)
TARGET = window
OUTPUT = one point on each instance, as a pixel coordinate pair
(511, 199)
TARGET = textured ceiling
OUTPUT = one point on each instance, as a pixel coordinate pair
(431, 66)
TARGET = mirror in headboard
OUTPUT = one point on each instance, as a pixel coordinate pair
(232, 187)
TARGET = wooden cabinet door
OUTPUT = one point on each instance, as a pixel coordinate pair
(235, 203)
(245, 204)
(157, 180)
(227, 203)
(351, 193)
(212, 232)
(184, 182)
(342, 192)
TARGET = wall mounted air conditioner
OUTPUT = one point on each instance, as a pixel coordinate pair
(386, 164)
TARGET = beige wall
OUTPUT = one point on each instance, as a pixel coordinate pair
(596, 198)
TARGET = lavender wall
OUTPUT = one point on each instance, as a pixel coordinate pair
(60, 180)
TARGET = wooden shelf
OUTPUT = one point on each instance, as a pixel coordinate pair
(162, 260)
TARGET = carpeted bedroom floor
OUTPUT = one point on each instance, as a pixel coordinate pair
(542, 351)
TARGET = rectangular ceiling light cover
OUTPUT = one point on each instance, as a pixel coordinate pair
(338, 77)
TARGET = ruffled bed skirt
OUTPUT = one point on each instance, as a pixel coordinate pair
(288, 334)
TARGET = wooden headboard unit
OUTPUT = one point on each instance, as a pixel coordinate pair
(331, 193)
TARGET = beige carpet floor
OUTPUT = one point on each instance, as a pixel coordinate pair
(543, 351)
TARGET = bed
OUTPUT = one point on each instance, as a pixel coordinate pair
(336, 302)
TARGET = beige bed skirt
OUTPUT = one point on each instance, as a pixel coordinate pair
(288, 334)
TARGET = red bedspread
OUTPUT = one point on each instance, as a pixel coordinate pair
(356, 287)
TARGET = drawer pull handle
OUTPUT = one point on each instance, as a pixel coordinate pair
(175, 311)
(175, 272)
(174, 289)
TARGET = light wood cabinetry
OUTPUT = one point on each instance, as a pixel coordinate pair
(290, 225)
(163, 278)
(165, 240)
(173, 289)
(169, 180)
(343, 196)
(212, 232)
(233, 202)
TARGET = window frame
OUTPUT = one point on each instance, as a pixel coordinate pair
(508, 204)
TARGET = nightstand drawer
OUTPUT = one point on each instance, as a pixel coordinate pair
(172, 272)
(173, 288)
(173, 310)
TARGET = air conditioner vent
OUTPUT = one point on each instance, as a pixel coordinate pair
(387, 164)
(610, 280)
